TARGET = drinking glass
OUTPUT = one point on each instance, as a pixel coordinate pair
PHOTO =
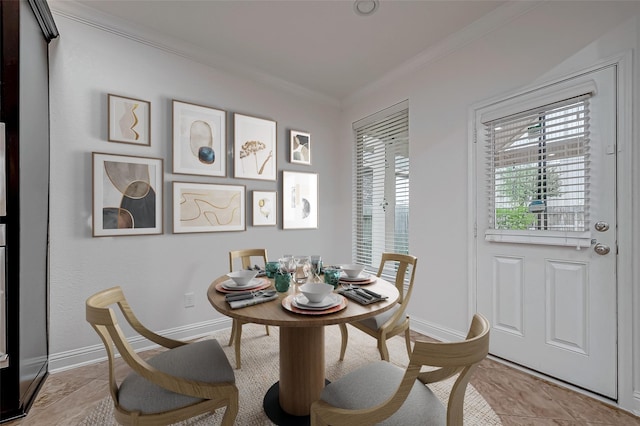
(303, 268)
(282, 281)
(287, 264)
(271, 268)
(316, 264)
(332, 276)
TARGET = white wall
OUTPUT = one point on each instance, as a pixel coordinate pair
(87, 63)
(155, 271)
(547, 41)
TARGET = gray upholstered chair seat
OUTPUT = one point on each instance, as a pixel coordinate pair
(203, 361)
(375, 322)
(374, 383)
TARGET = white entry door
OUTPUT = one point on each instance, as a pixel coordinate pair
(546, 249)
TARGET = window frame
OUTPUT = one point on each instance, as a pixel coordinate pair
(381, 162)
(515, 105)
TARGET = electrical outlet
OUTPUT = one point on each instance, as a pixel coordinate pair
(189, 300)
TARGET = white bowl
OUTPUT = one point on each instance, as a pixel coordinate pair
(316, 292)
(242, 278)
(352, 271)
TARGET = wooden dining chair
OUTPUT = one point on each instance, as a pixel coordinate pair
(187, 380)
(246, 259)
(393, 321)
(383, 394)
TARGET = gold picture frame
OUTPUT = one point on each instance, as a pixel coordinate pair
(207, 207)
(127, 195)
(129, 120)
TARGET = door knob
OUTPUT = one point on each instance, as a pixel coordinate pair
(601, 249)
(601, 226)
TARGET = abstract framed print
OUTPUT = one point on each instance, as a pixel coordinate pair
(205, 207)
(299, 200)
(254, 148)
(300, 147)
(127, 195)
(265, 210)
(199, 140)
(129, 120)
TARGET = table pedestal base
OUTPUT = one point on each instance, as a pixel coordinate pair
(301, 368)
(276, 414)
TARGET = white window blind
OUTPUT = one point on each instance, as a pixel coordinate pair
(538, 167)
(381, 186)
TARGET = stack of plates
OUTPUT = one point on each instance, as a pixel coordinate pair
(363, 278)
(231, 285)
(300, 301)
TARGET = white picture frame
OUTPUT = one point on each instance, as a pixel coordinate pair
(199, 139)
(300, 147)
(254, 148)
(207, 207)
(299, 200)
(265, 208)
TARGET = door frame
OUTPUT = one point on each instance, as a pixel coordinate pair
(627, 200)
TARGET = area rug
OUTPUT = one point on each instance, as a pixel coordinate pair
(260, 371)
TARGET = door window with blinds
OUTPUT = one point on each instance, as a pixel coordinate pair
(381, 185)
(537, 166)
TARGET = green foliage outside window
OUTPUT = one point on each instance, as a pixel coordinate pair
(515, 218)
(520, 185)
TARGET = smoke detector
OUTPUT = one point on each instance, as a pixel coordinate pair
(365, 7)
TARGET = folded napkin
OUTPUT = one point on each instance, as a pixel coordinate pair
(362, 295)
(250, 300)
(241, 295)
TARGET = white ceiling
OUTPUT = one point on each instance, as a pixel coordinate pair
(319, 45)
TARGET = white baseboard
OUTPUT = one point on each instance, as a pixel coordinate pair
(636, 403)
(87, 355)
(436, 331)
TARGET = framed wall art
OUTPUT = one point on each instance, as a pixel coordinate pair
(129, 120)
(299, 200)
(205, 207)
(127, 195)
(199, 140)
(300, 147)
(265, 211)
(254, 148)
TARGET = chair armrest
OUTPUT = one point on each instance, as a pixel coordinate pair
(158, 339)
(144, 331)
(438, 375)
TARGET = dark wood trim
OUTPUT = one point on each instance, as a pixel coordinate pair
(9, 114)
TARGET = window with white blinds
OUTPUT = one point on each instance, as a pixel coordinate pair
(538, 167)
(381, 185)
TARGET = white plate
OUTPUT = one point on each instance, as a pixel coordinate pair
(231, 285)
(362, 277)
(301, 301)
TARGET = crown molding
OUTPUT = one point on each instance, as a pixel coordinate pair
(86, 15)
(472, 32)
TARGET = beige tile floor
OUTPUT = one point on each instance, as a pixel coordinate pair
(518, 399)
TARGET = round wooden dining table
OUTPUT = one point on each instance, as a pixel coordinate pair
(302, 364)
